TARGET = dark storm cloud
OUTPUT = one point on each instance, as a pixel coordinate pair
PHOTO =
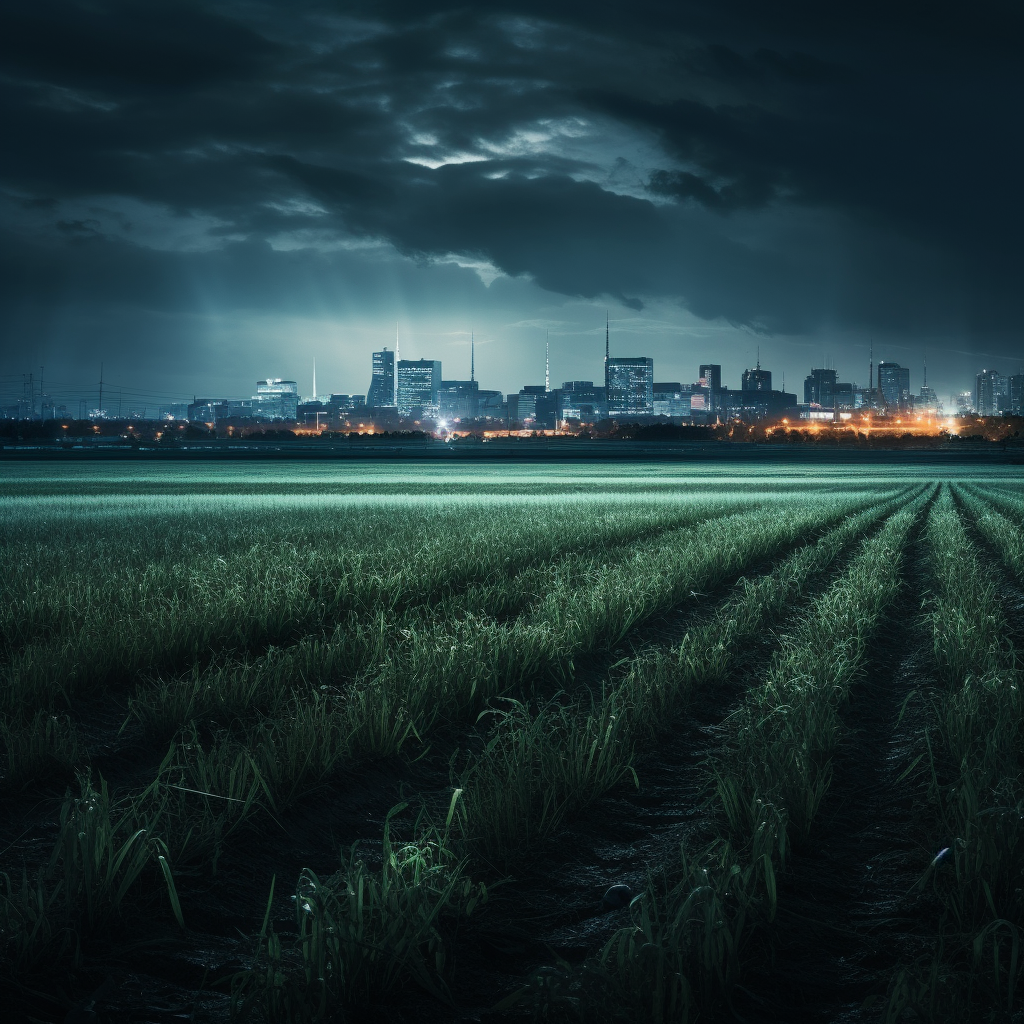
(780, 166)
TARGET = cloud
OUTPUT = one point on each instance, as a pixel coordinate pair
(793, 171)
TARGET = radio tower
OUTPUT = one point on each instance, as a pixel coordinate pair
(396, 363)
(607, 352)
(472, 356)
(547, 361)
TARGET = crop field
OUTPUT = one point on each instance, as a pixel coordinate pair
(493, 743)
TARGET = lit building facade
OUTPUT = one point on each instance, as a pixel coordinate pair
(276, 399)
(672, 399)
(522, 408)
(419, 385)
(630, 389)
(989, 387)
(1015, 404)
(756, 379)
(382, 394)
(581, 400)
(820, 388)
(458, 399)
(894, 385)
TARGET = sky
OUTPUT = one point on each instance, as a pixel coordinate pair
(197, 195)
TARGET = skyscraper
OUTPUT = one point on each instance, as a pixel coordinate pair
(1016, 394)
(630, 388)
(607, 353)
(989, 387)
(894, 385)
(419, 381)
(711, 376)
(381, 394)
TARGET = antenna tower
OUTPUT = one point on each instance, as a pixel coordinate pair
(547, 361)
(472, 356)
(607, 352)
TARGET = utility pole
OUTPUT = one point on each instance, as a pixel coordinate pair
(101, 392)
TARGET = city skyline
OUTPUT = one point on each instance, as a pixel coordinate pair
(564, 365)
(416, 389)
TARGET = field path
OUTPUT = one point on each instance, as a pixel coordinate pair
(847, 915)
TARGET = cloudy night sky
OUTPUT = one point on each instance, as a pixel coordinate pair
(201, 194)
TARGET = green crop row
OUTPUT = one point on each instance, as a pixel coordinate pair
(111, 620)
(537, 769)
(976, 794)
(450, 673)
(685, 947)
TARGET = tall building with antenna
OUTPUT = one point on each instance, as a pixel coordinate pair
(927, 400)
(607, 352)
(382, 393)
(756, 379)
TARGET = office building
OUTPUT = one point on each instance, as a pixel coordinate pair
(204, 410)
(751, 405)
(711, 376)
(419, 384)
(522, 408)
(1015, 398)
(218, 410)
(710, 381)
(581, 400)
(672, 399)
(820, 388)
(536, 404)
(458, 399)
(989, 387)
(313, 413)
(490, 405)
(630, 389)
(927, 401)
(894, 385)
(175, 411)
(342, 405)
(276, 399)
(756, 379)
(843, 397)
(382, 393)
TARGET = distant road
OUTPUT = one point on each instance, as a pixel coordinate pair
(499, 450)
